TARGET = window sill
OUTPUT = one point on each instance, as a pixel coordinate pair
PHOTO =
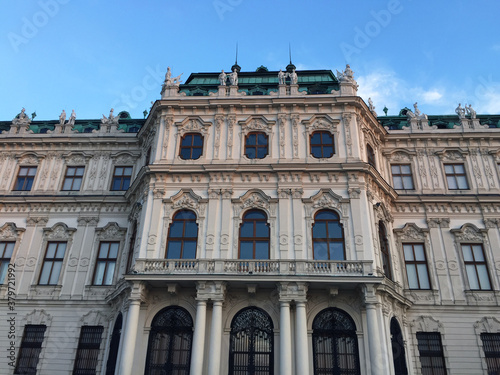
(482, 297)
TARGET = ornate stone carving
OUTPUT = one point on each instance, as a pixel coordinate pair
(38, 317)
(10, 232)
(411, 232)
(292, 291)
(93, 318)
(187, 199)
(193, 124)
(426, 324)
(469, 233)
(59, 231)
(112, 231)
(257, 123)
(295, 129)
(487, 324)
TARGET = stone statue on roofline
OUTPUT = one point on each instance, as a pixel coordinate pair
(233, 78)
(222, 78)
(470, 111)
(281, 77)
(294, 78)
(346, 75)
(72, 118)
(62, 117)
(371, 107)
(171, 81)
(460, 111)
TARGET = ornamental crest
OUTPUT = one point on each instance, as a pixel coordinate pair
(411, 232)
(9, 231)
(257, 123)
(187, 199)
(112, 231)
(193, 125)
(321, 122)
(59, 231)
(468, 233)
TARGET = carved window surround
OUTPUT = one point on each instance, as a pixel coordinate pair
(256, 124)
(192, 124)
(488, 324)
(321, 123)
(327, 199)
(185, 199)
(77, 158)
(255, 199)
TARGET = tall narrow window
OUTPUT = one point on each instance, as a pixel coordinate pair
(256, 145)
(416, 266)
(87, 353)
(25, 178)
(328, 236)
(106, 262)
(29, 351)
(182, 236)
(114, 345)
(191, 146)
(121, 178)
(52, 263)
(456, 177)
(170, 340)
(254, 235)
(491, 347)
(370, 154)
(130, 257)
(384, 250)
(398, 349)
(6, 250)
(335, 343)
(322, 144)
(431, 353)
(73, 178)
(251, 347)
(402, 177)
(475, 265)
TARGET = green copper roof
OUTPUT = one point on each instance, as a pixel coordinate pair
(440, 121)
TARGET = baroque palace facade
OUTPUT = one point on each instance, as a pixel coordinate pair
(254, 223)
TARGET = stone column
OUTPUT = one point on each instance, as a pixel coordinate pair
(215, 339)
(377, 362)
(285, 339)
(137, 295)
(301, 342)
(199, 338)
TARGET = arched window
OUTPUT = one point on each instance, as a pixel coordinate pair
(114, 346)
(256, 145)
(170, 339)
(370, 154)
(384, 250)
(191, 146)
(335, 344)
(254, 235)
(398, 349)
(182, 236)
(328, 236)
(251, 348)
(322, 144)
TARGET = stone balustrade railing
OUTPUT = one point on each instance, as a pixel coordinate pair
(255, 267)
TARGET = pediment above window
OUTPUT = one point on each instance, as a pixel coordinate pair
(111, 232)
(452, 154)
(411, 232)
(257, 123)
(58, 232)
(10, 232)
(399, 155)
(193, 125)
(77, 158)
(326, 198)
(187, 199)
(321, 122)
(469, 233)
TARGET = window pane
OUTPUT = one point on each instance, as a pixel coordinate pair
(462, 182)
(262, 139)
(452, 183)
(127, 171)
(60, 250)
(3, 271)
(478, 253)
(174, 250)
(466, 250)
(262, 152)
(316, 151)
(483, 276)
(250, 152)
(319, 230)
(261, 229)
(189, 250)
(77, 183)
(255, 215)
(67, 184)
(327, 151)
(103, 250)
(408, 182)
(336, 251)
(261, 250)
(197, 140)
(191, 230)
(316, 138)
(44, 276)
(109, 273)
(472, 276)
(8, 249)
(408, 250)
(246, 250)
(405, 169)
(56, 270)
(320, 251)
(51, 250)
(186, 153)
(113, 251)
(246, 230)
(412, 276)
(335, 230)
(99, 273)
(176, 229)
(398, 182)
(196, 153)
(251, 139)
(419, 252)
(449, 169)
(423, 276)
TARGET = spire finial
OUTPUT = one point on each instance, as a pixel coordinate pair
(236, 66)
(236, 53)
(290, 67)
(290, 52)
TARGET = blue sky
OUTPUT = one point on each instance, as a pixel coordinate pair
(93, 55)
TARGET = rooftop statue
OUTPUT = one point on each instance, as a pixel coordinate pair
(233, 78)
(418, 114)
(62, 117)
(281, 77)
(460, 111)
(371, 106)
(294, 79)
(21, 118)
(347, 75)
(222, 78)
(169, 81)
(110, 119)
(470, 111)
(72, 118)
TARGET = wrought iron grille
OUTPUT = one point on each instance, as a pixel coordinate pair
(431, 353)
(87, 353)
(30, 349)
(398, 349)
(335, 344)
(252, 343)
(114, 346)
(491, 347)
(170, 341)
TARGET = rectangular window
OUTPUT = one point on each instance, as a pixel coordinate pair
(455, 176)
(121, 178)
(402, 177)
(475, 266)
(25, 178)
(52, 263)
(491, 347)
(106, 262)
(87, 353)
(6, 250)
(431, 353)
(416, 266)
(73, 178)
(31, 346)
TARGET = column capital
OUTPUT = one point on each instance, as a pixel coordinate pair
(138, 292)
(370, 294)
(292, 291)
(210, 290)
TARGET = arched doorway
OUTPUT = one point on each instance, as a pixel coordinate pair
(114, 345)
(335, 344)
(251, 348)
(170, 339)
(398, 349)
